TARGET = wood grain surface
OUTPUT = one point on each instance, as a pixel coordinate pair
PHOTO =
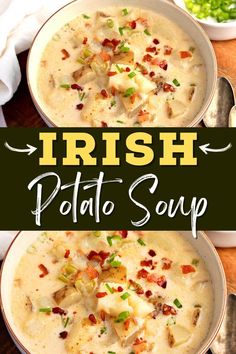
(20, 112)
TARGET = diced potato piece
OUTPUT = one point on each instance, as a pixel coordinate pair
(125, 335)
(131, 105)
(177, 335)
(175, 108)
(196, 315)
(113, 305)
(84, 75)
(95, 106)
(144, 84)
(115, 275)
(58, 251)
(124, 58)
(67, 296)
(141, 307)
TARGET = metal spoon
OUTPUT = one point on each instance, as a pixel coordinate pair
(218, 112)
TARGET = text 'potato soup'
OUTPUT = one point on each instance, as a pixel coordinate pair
(120, 292)
(121, 67)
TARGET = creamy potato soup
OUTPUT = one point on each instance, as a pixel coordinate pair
(121, 67)
(112, 293)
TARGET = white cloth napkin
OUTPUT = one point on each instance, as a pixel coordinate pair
(6, 238)
(19, 22)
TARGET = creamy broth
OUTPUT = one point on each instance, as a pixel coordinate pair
(112, 292)
(121, 67)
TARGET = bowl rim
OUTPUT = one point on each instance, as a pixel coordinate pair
(204, 348)
(224, 25)
(199, 115)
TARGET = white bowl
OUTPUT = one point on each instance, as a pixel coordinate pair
(222, 238)
(202, 245)
(216, 31)
(174, 13)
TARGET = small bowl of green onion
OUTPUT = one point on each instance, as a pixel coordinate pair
(217, 17)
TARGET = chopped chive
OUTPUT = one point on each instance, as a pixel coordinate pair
(141, 242)
(124, 49)
(115, 264)
(87, 53)
(111, 238)
(176, 82)
(85, 16)
(112, 257)
(178, 303)
(121, 30)
(109, 288)
(81, 96)
(125, 296)
(132, 74)
(195, 261)
(103, 330)
(81, 61)
(110, 23)
(129, 92)
(119, 68)
(120, 121)
(65, 86)
(63, 278)
(122, 316)
(65, 321)
(146, 31)
(109, 352)
(125, 12)
(45, 309)
(113, 103)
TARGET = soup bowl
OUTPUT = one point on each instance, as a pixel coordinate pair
(202, 245)
(162, 7)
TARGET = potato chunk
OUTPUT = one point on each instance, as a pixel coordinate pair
(67, 296)
(84, 75)
(141, 307)
(129, 331)
(124, 58)
(113, 305)
(177, 335)
(115, 275)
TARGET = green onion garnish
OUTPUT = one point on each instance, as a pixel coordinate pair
(115, 264)
(65, 86)
(112, 257)
(129, 92)
(85, 16)
(63, 278)
(81, 61)
(109, 352)
(195, 261)
(120, 121)
(125, 296)
(178, 303)
(176, 82)
(125, 12)
(146, 31)
(132, 74)
(141, 242)
(110, 23)
(124, 49)
(121, 30)
(81, 96)
(111, 238)
(113, 103)
(103, 330)
(122, 316)
(192, 49)
(119, 68)
(65, 321)
(46, 309)
(109, 288)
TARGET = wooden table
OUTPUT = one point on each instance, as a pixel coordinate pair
(20, 112)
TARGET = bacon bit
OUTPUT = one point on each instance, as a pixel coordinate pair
(140, 346)
(76, 87)
(92, 272)
(127, 69)
(186, 269)
(154, 278)
(148, 293)
(101, 294)
(63, 335)
(105, 56)
(132, 24)
(123, 233)
(104, 93)
(58, 311)
(142, 68)
(138, 289)
(65, 53)
(142, 20)
(120, 289)
(151, 49)
(167, 50)
(143, 116)
(92, 319)
(152, 253)
(43, 270)
(185, 54)
(168, 310)
(142, 273)
(100, 257)
(166, 263)
(163, 65)
(152, 73)
(168, 88)
(133, 98)
(155, 41)
(155, 61)
(113, 91)
(104, 124)
(139, 341)
(147, 58)
(111, 73)
(146, 263)
(111, 43)
(67, 253)
(103, 315)
(127, 324)
(80, 106)
(85, 40)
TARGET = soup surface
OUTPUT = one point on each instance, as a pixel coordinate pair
(121, 67)
(112, 293)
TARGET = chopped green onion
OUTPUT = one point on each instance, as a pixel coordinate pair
(45, 309)
(124, 49)
(129, 92)
(111, 238)
(141, 242)
(176, 82)
(178, 303)
(81, 96)
(125, 12)
(103, 330)
(122, 316)
(115, 264)
(110, 23)
(96, 233)
(63, 278)
(109, 352)
(171, 321)
(121, 30)
(125, 296)
(195, 261)
(65, 321)
(85, 16)
(113, 103)
(146, 31)
(70, 269)
(120, 121)
(65, 86)
(112, 257)
(81, 61)
(87, 53)
(192, 49)
(119, 68)
(109, 288)
(132, 74)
